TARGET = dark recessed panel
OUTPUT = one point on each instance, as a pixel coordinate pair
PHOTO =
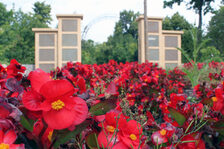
(69, 25)
(171, 41)
(171, 55)
(69, 39)
(46, 55)
(46, 40)
(69, 54)
(152, 54)
(153, 27)
(153, 41)
(46, 67)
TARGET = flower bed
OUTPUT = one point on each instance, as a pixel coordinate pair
(113, 106)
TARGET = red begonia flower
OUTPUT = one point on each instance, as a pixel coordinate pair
(110, 124)
(195, 144)
(81, 83)
(38, 78)
(35, 103)
(106, 140)
(4, 110)
(159, 137)
(129, 133)
(59, 107)
(120, 145)
(54, 98)
(218, 100)
(13, 68)
(7, 139)
(47, 136)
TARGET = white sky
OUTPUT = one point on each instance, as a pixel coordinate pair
(103, 14)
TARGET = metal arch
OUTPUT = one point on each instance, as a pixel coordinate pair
(94, 21)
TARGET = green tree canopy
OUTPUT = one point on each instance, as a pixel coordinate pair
(201, 7)
(216, 29)
(123, 44)
(88, 52)
(42, 12)
(5, 16)
(17, 38)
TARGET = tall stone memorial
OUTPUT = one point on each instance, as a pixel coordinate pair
(55, 47)
(161, 44)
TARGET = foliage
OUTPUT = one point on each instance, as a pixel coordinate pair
(88, 52)
(42, 12)
(216, 30)
(5, 16)
(17, 38)
(200, 6)
(210, 52)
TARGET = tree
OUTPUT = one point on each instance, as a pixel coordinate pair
(178, 22)
(122, 46)
(88, 52)
(5, 16)
(201, 7)
(216, 29)
(42, 12)
(210, 52)
(17, 38)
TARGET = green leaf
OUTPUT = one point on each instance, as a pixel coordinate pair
(103, 107)
(62, 136)
(91, 141)
(26, 124)
(179, 117)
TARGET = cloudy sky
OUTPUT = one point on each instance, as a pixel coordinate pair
(101, 15)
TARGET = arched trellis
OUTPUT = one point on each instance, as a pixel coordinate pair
(96, 20)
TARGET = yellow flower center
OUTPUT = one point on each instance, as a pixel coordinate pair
(163, 132)
(57, 105)
(4, 146)
(214, 99)
(50, 135)
(110, 129)
(133, 137)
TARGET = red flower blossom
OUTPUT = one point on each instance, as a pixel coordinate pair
(7, 139)
(13, 68)
(195, 144)
(110, 124)
(47, 136)
(159, 137)
(151, 120)
(54, 98)
(218, 101)
(130, 133)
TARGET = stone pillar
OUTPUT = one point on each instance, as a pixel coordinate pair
(69, 38)
(55, 47)
(46, 41)
(160, 43)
